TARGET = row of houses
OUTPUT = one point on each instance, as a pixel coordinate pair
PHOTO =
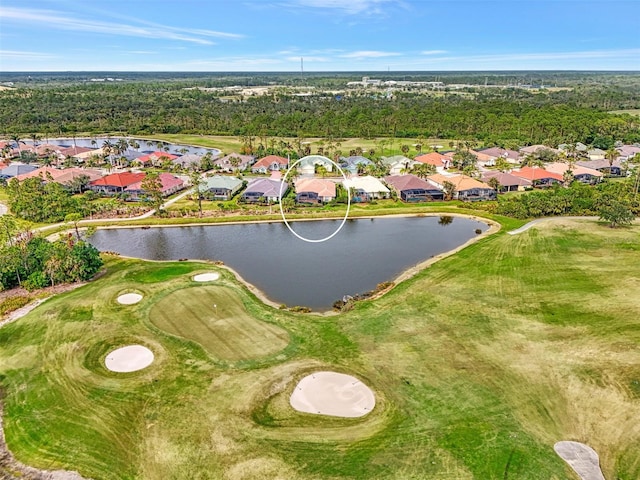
(129, 183)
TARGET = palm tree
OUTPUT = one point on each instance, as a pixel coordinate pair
(108, 149)
(495, 184)
(16, 138)
(423, 170)
(611, 155)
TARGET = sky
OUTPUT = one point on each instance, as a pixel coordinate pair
(330, 35)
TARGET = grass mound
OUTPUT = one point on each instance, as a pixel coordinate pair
(215, 317)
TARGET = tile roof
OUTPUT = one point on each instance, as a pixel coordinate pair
(119, 179)
(152, 157)
(167, 180)
(434, 158)
(16, 169)
(506, 179)
(367, 183)
(536, 174)
(409, 182)
(269, 160)
(266, 186)
(500, 152)
(71, 151)
(561, 168)
(323, 188)
(462, 182)
(220, 181)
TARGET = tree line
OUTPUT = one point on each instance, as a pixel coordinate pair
(510, 118)
(33, 262)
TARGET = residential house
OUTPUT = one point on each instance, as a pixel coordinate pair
(73, 151)
(628, 152)
(16, 169)
(264, 189)
(494, 153)
(366, 188)
(467, 188)
(155, 158)
(270, 163)
(533, 149)
(596, 154)
(307, 165)
(398, 164)
(221, 187)
(411, 188)
(234, 162)
(189, 160)
(580, 173)
(315, 190)
(507, 181)
(354, 164)
(616, 168)
(170, 185)
(61, 175)
(116, 182)
(438, 160)
(539, 177)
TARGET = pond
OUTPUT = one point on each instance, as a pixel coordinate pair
(363, 254)
(146, 145)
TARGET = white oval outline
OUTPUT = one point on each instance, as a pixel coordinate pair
(344, 220)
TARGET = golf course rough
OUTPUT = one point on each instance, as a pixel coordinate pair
(479, 365)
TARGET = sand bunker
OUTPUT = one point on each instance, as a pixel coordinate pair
(334, 394)
(206, 277)
(582, 458)
(129, 359)
(129, 298)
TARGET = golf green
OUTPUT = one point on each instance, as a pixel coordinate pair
(215, 317)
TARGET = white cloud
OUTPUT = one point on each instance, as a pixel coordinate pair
(307, 59)
(633, 53)
(65, 21)
(16, 54)
(432, 52)
(369, 54)
(352, 7)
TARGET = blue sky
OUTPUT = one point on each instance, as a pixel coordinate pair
(331, 35)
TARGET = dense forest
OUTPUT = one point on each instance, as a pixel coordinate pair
(507, 117)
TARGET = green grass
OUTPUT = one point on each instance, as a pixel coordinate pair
(215, 318)
(480, 363)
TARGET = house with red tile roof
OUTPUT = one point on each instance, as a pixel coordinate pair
(270, 163)
(170, 185)
(436, 159)
(155, 158)
(539, 177)
(315, 190)
(116, 182)
(467, 188)
(411, 188)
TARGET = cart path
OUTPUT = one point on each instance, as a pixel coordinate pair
(527, 226)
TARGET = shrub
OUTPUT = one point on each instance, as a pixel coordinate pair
(36, 281)
(13, 303)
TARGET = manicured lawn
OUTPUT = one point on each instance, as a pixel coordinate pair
(215, 318)
(392, 146)
(479, 365)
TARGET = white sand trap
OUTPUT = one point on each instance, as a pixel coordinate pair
(335, 394)
(582, 458)
(206, 277)
(129, 298)
(129, 359)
